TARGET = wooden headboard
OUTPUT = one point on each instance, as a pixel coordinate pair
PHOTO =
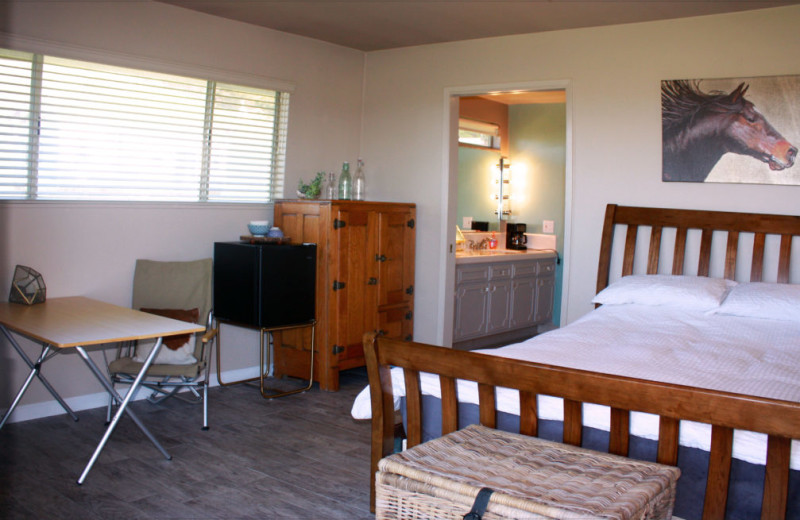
(713, 226)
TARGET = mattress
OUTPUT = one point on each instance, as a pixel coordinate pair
(742, 355)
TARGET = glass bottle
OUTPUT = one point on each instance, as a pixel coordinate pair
(330, 190)
(345, 183)
(359, 182)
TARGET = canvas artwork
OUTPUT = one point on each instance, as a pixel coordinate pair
(736, 130)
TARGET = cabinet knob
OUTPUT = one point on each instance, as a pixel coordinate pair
(372, 281)
(380, 258)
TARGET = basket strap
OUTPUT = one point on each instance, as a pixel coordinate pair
(480, 504)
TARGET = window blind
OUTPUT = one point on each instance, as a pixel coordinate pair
(74, 130)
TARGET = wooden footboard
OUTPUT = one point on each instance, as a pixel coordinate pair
(724, 411)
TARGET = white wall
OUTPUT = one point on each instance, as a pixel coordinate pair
(613, 75)
(90, 249)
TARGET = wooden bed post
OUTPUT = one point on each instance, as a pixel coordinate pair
(382, 401)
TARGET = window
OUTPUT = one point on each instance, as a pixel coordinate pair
(478, 133)
(73, 130)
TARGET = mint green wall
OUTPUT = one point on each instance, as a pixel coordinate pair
(475, 171)
(537, 150)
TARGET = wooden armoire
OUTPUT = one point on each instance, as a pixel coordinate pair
(365, 281)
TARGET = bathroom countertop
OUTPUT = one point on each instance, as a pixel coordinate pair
(501, 255)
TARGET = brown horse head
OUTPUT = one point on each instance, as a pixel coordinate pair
(699, 128)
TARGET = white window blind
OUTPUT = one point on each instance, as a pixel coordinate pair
(73, 130)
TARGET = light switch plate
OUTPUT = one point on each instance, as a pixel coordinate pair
(548, 226)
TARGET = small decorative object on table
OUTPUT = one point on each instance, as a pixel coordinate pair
(258, 228)
(27, 286)
(275, 232)
(311, 190)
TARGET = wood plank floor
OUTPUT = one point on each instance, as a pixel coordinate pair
(300, 456)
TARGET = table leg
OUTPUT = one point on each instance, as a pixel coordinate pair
(123, 407)
(35, 372)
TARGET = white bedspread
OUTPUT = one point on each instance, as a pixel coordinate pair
(733, 354)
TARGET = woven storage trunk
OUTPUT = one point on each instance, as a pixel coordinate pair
(532, 479)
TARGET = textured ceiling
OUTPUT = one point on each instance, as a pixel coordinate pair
(370, 25)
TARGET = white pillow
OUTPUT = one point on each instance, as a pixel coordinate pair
(777, 301)
(183, 355)
(688, 292)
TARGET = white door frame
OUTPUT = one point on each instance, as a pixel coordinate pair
(449, 186)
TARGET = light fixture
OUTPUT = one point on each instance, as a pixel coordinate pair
(503, 188)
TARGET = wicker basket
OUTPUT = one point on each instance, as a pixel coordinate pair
(532, 479)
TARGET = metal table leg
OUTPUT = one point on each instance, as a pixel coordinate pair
(274, 392)
(35, 372)
(123, 407)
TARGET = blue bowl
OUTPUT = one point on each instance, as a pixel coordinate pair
(258, 228)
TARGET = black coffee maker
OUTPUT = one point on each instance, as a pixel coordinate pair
(515, 236)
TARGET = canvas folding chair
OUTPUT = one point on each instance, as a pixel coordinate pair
(179, 290)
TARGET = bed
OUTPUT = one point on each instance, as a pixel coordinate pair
(692, 358)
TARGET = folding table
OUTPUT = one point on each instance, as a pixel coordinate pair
(79, 322)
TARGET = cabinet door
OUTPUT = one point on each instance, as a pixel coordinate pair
(394, 257)
(498, 306)
(523, 303)
(470, 311)
(545, 293)
(353, 293)
(396, 322)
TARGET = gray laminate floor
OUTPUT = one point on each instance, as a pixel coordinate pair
(300, 456)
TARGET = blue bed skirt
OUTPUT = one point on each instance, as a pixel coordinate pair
(747, 480)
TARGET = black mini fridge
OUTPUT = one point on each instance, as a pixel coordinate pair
(264, 285)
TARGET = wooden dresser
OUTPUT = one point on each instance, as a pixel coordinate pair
(365, 281)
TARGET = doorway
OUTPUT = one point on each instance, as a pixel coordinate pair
(536, 111)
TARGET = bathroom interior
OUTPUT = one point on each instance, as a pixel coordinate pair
(525, 132)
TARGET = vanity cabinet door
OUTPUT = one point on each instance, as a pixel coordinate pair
(523, 302)
(470, 311)
(545, 294)
(498, 305)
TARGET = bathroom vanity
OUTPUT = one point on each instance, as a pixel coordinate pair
(502, 296)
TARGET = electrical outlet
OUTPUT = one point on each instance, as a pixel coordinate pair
(548, 226)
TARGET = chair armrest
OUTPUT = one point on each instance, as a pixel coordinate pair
(209, 335)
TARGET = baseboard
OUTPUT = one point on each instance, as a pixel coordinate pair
(29, 412)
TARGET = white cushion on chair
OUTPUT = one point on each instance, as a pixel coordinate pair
(183, 355)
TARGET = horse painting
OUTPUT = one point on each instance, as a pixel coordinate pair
(699, 128)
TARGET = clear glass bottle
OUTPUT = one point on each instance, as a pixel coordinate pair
(359, 182)
(331, 192)
(345, 183)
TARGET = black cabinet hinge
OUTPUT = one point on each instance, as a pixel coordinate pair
(337, 349)
(338, 224)
(338, 285)
(409, 337)
(410, 315)
(410, 289)
(372, 281)
(411, 223)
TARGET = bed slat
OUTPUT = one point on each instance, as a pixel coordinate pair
(730, 255)
(630, 248)
(757, 267)
(668, 435)
(655, 250)
(413, 407)
(776, 481)
(528, 414)
(704, 262)
(680, 251)
(719, 473)
(620, 432)
(784, 259)
(449, 404)
(487, 405)
(573, 422)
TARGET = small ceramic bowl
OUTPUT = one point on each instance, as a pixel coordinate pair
(275, 233)
(258, 228)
